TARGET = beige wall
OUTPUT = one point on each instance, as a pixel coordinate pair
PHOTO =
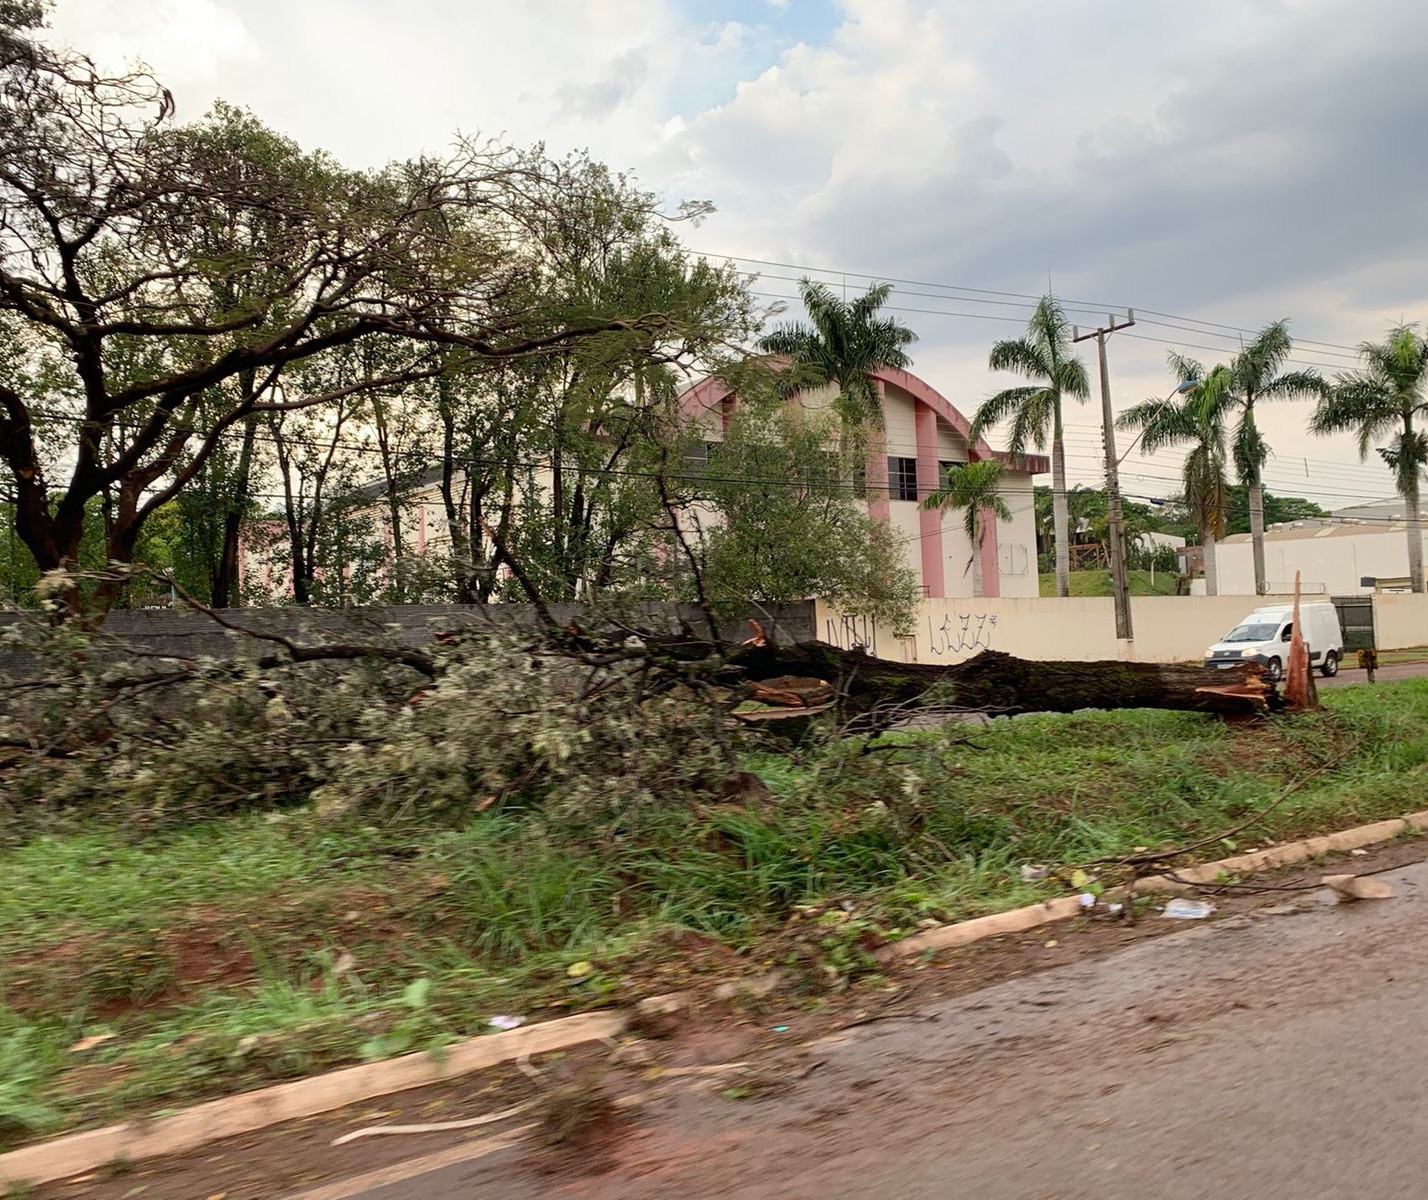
(1400, 619)
(1167, 628)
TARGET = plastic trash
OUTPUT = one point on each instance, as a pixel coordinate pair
(501, 1021)
(1031, 872)
(1088, 899)
(1181, 909)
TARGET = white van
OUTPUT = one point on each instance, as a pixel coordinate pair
(1263, 637)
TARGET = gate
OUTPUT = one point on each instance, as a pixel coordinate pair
(1356, 620)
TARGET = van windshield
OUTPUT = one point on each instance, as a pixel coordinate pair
(1252, 633)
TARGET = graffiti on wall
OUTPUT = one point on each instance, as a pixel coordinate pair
(961, 632)
(852, 633)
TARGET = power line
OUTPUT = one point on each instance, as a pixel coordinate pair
(1068, 304)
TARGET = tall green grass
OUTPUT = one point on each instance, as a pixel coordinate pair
(370, 941)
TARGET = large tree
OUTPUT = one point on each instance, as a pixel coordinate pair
(1255, 374)
(1194, 416)
(166, 276)
(844, 342)
(1044, 356)
(1388, 398)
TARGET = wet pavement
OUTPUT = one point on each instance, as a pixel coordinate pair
(1281, 1054)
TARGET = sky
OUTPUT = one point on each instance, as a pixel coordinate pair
(1213, 166)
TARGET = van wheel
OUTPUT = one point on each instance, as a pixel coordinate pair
(1331, 665)
(1274, 670)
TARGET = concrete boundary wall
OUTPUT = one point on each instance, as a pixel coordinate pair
(183, 632)
(1167, 628)
(1400, 619)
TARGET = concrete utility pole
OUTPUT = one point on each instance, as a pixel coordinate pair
(1120, 582)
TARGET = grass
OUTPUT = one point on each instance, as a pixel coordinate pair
(136, 975)
(1410, 654)
(1098, 583)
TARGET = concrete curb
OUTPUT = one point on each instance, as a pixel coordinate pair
(189, 1128)
(74, 1154)
(962, 933)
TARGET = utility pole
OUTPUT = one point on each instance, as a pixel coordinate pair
(1120, 582)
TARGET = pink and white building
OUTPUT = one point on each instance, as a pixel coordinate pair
(923, 434)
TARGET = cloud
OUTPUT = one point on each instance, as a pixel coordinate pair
(592, 101)
(1248, 160)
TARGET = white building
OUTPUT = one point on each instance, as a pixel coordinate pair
(1333, 556)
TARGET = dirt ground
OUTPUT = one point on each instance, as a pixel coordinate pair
(777, 1035)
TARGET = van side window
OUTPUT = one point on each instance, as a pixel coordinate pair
(1288, 632)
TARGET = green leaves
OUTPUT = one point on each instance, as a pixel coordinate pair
(844, 342)
(793, 525)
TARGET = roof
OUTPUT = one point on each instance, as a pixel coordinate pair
(710, 391)
(1304, 530)
(1394, 507)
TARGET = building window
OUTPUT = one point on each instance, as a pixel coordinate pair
(696, 460)
(944, 468)
(902, 478)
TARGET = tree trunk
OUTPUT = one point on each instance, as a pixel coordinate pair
(1212, 573)
(1060, 516)
(976, 559)
(1414, 523)
(1256, 516)
(224, 589)
(998, 682)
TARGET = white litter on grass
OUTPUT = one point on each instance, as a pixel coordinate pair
(504, 1022)
(1088, 900)
(1181, 909)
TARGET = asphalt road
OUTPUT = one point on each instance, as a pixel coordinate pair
(1385, 674)
(1281, 1055)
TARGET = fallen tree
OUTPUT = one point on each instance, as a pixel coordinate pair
(996, 682)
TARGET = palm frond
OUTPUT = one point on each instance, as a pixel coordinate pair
(1255, 366)
(1295, 385)
(1072, 379)
(1021, 357)
(1250, 450)
(1184, 368)
(1003, 406)
(1164, 422)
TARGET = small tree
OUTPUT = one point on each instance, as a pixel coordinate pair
(975, 489)
(787, 526)
(1388, 398)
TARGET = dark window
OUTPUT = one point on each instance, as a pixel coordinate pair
(902, 478)
(697, 459)
(945, 468)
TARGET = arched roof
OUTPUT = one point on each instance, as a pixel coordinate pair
(710, 393)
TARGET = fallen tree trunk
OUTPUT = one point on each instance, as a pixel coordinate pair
(995, 682)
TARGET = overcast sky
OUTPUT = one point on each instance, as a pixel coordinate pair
(1227, 162)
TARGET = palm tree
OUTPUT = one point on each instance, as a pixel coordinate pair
(846, 342)
(1388, 396)
(1255, 374)
(1043, 356)
(1194, 414)
(976, 489)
